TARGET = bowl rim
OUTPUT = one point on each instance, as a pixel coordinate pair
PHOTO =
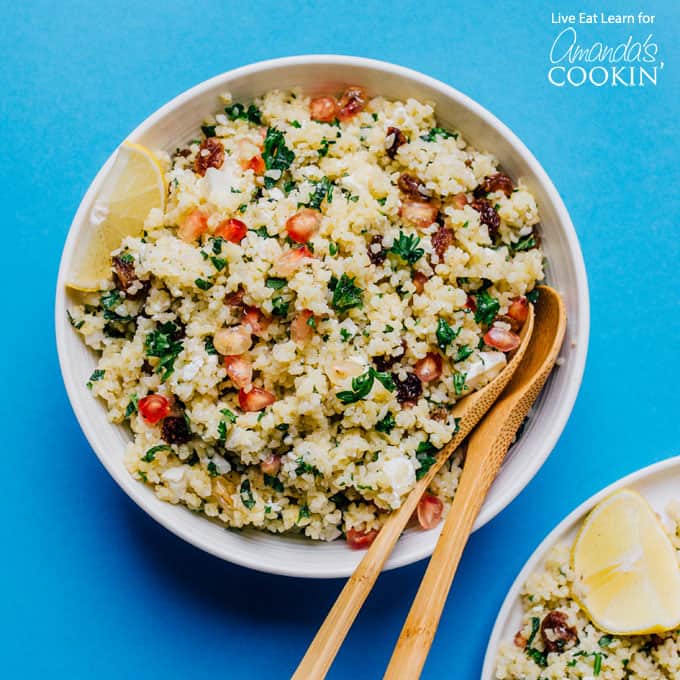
(249, 558)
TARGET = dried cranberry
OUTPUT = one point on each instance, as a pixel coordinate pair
(210, 155)
(376, 258)
(556, 634)
(413, 187)
(394, 139)
(441, 240)
(386, 361)
(125, 276)
(498, 182)
(408, 389)
(175, 430)
(487, 215)
(234, 299)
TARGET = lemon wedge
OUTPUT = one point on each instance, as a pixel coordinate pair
(134, 185)
(626, 572)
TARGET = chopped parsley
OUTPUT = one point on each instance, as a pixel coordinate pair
(217, 245)
(382, 200)
(533, 296)
(208, 130)
(242, 208)
(322, 189)
(304, 513)
(445, 334)
(283, 427)
(273, 482)
(435, 132)
(363, 384)
(345, 334)
(262, 232)
(126, 258)
(464, 351)
(162, 343)
(209, 346)
(276, 155)
(246, 494)
(76, 324)
(203, 284)
(535, 654)
(295, 123)
(425, 454)
(346, 294)
(459, 382)
(97, 374)
(304, 467)
(387, 424)
(280, 306)
(487, 308)
(219, 263)
(252, 114)
(111, 299)
(151, 453)
(605, 641)
(332, 249)
(275, 283)
(212, 469)
(406, 247)
(132, 406)
(325, 144)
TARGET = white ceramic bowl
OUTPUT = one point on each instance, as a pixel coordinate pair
(178, 121)
(658, 483)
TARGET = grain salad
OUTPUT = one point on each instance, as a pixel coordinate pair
(558, 641)
(287, 338)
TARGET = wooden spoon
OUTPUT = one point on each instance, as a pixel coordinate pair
(469, 410)
(486, 450)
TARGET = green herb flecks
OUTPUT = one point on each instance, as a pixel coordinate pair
(487, 308)
(274, 483)
(151, 453)
(445, 334)
(464, 351)
(218, 262)
(386, 424)
(535, 654)
(459, 382)
(435, 132)
(252, 114)
(406, 247)
(131, 408)
(212, 470)
(325, 145)
(323, 189)
(346, 294)
(363, 384)
(276, 155)
(303, 514)
(203, 284)
(76, 324)
(280, 307)
(208, 130)
(246, 494)
(303, 467)
(110, 300)
(533, 296)
(425, 454)
(97, 374)
(275, 283)
(162, 343)
(209, 346)
(526, 243)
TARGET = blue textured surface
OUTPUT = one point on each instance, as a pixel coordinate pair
(93, 588)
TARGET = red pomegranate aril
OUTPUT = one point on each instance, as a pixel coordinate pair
(429, 511)
(471, 303)
(501, 339)
(360, 540)
(300, 328)
(419, 281)
(351, 102)
(519, 309)
(303, 225)
(232, 230)
(153, 408)
(256, 399)
(419, 213)
(323, 109)
(429, 368)
(256, 164)
(239, 370)
(195, 224)
(255, 319)
(271, 465)
(291, 260)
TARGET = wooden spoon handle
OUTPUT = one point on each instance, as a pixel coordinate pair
(491, 437)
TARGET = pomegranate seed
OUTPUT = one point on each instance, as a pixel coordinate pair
(471, 303)
(419, 213)
(519, 309)
(231, 230)
(351, 102)
(324, 109)
(255, 320)
(300, 329)
(195, 224)
(501, 339)
(153, 408)
(303, 225)
(429, 511)
(239, 370)
(419, 281)
(359, 540)
(230, 341)
(271, 465)
(255, 400)
(292, 260)
(429, 368)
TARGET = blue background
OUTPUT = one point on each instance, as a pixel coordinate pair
(90, 587)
